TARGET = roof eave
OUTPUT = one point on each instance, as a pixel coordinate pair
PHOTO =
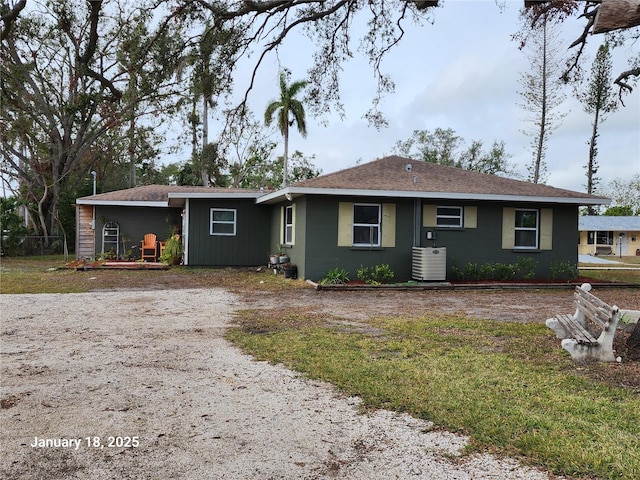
(178, 199)
(121, 203)
(206, 195)
(281, 195)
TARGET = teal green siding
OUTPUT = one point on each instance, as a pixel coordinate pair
(323, 253)
(297, 251)
(134, 223)
(316, 251)
(483, 244)
(248, 247)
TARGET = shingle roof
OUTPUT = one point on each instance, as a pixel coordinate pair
(389, 176)
(401, 174)
(157, 194)
(609, 223)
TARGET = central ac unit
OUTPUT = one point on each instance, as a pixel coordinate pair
(429, 263)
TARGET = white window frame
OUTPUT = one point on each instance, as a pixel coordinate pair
(288, 227)
(213, 222)
(535, 229)
(460, 217)
(376, 226)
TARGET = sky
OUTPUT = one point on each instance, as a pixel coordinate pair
(462, 73)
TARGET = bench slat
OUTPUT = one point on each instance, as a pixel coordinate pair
(578, 331)
(590, 297)
(596, 314)
(594, 308)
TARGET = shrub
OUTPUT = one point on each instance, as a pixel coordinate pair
(563, 271)
(505, 271)
(526, 266)
(335, 276)
(375, 275)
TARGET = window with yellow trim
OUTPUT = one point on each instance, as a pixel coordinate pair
(526, 229)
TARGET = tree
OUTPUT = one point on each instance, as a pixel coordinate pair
(624, 193)
(438, 147)
(209, 79)
(12, 229)
(443, 146)
(63, 90)
(288, 112)
(600, 17)
(618, 211)
(246, 145)
(268, 174)
(542, 93)
(597, 100)
(330, 26)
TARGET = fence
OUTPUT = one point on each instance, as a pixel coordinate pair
(31, 245)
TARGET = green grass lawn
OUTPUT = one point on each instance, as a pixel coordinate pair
(631, 274)
(505, 385)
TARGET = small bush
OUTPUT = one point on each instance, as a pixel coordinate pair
(505, 271)
(375, 275)
(335, 276)
(487, 271)
(526, 266)
(563, 271)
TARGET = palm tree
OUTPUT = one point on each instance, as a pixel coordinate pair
(286, 106)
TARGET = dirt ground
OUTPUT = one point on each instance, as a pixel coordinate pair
(141, 384)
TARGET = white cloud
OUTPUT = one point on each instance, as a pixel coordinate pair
(460, 73)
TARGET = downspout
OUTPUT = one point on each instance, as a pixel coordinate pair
(417, 222)
(185, 233)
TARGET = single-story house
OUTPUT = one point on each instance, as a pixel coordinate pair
(608, 235)
(370, 214)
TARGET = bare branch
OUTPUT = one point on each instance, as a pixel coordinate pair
(10, 17)
(621, 81)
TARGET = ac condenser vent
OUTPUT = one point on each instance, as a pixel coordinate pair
(429, 264)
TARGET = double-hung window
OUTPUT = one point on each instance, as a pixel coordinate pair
(223, 221)
(450, 217)
(366, 225)
(288, 225)
(526, 229)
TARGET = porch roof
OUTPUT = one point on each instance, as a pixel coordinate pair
(163, 195)
(609, 223)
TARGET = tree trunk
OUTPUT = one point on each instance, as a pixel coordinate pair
(205, 140)
(285, 170)
(591, 165)
(633, 344)
(616, 14)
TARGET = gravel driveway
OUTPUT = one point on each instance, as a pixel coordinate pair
(141, 385)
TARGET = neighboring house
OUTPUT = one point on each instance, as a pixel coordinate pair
(366, 215)
(609, 235)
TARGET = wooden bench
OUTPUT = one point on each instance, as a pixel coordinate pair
(576, 331)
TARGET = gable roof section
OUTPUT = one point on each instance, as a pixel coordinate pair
(396, 176)
(388, 177)
(609, 223)
(163, 195)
